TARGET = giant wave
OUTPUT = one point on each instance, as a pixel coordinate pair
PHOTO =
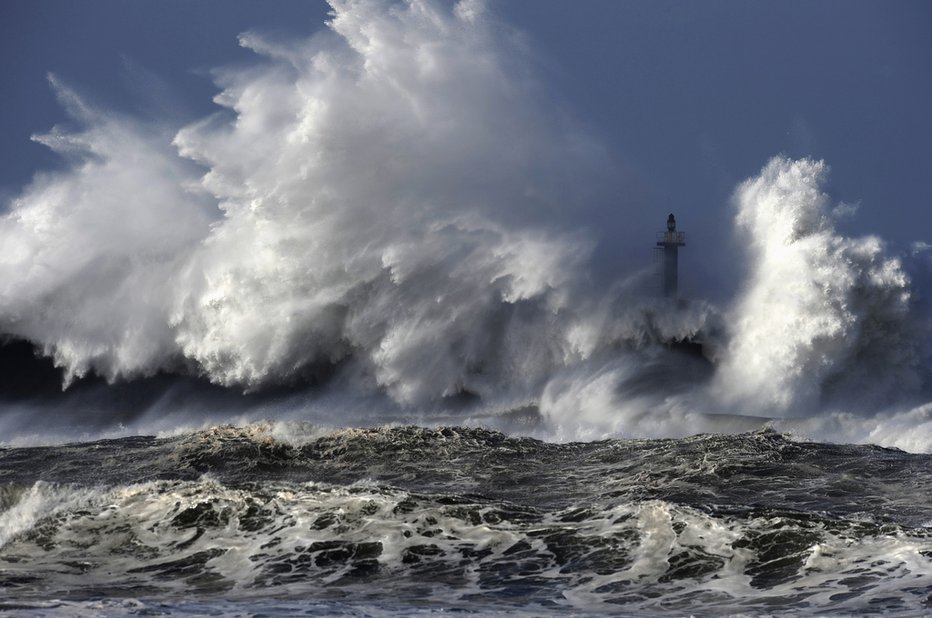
(389, 221)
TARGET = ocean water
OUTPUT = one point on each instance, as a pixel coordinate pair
(370, 341)
(402, 520)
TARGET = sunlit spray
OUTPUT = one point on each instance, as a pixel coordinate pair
(390, 217)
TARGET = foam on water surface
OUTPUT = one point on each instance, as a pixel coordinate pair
(470, 519)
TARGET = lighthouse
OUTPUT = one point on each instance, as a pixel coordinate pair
(670, 242)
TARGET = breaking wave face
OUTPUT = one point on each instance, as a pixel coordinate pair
(395, 209)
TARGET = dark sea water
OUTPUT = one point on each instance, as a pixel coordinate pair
(407, 520)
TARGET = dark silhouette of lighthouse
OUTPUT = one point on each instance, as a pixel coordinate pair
(670, 241)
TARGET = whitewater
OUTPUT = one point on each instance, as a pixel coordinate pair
(350, 346)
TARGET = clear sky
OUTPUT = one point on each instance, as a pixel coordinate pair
(689, 97)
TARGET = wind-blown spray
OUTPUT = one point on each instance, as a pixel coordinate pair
(393, 209)
(822, 317)
(366, 193)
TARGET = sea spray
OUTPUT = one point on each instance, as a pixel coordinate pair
(367, 202)
(822, 317)
(387, 223)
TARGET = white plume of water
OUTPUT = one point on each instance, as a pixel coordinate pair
(824, 341)
(392, 197)
(822, 316)
(90, 254)
(369, 211)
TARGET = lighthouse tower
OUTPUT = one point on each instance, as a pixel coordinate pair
(670, 242)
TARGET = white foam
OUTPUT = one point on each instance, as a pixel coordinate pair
(41, 500)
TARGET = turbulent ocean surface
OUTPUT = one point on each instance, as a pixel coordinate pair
(401, 520)
(377, 338)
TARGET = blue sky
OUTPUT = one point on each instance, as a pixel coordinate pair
(690, 98)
